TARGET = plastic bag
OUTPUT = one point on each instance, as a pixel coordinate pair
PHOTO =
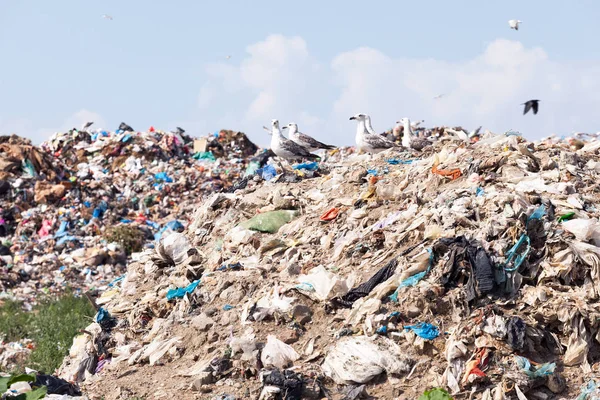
(269, 222)
(583, 229)
(324, 284)
(278, 354)
(176, 247)
(360, 359)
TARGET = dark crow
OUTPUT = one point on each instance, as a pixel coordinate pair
(531, 105)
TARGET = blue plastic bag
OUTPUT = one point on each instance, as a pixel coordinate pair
(267, 172)
(180, 292)
(537, 372)
(310, 166)
(424, 330)
(162, 176)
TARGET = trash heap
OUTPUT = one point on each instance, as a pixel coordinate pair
(469, 267)
(73, 210)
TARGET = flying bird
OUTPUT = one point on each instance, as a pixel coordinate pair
(531, 105)
(106, 16)
(179, 131)
(228, 57)
(309, 142)
(87, 125)
(439, 96)
(514, 24)
(367, 139)
(285, 148)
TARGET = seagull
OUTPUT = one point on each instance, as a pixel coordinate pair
(304, 140)
(285, 148)
(439, 96)
(475, 132)
(106, 16)
(531, 105)
(87, 125)
(228, 57)
(514, 24)
(124, 127)
(415, 125)
(179, 131)
(367, 139)
(409, 140)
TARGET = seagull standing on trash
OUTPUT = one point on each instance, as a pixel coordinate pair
(285, 148)
(409, 140)
(531, 105)
(367, 139)
(310, 143)
(514, 24)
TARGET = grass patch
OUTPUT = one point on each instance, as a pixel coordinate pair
(51, 325)
(130, 237)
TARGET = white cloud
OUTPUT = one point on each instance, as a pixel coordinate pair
(281, 79)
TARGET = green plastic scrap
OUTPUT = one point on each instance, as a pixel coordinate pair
(566, 217)
(270, 222)
(204, 155)
(435, 394)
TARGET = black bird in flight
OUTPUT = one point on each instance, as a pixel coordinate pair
(531, 105)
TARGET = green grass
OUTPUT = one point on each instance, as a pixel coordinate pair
(51, 325)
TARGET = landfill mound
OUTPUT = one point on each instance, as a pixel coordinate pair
(470, 267)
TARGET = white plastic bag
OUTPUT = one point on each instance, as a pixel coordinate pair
(278, 354)
(360, 359)
(176, 246)
(583, 229)
(323, 284)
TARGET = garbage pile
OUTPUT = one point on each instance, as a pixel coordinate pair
(472, 267)
(73, 210)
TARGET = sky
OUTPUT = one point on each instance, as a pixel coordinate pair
(316, 63)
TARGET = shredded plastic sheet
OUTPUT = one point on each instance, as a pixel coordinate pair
(537, 371)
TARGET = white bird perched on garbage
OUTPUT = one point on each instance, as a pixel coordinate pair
(409, 140)
(285, 148)
(514, 24)
(310, 143)
(367, 139)
(106, 16)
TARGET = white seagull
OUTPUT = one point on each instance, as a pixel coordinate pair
(367, 139)
(409, 140)
(514, 24)
(106, 16)
(285, 148)
(303, 140)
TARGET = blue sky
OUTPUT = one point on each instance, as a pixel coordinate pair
(312, 62)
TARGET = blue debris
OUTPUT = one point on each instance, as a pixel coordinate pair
(396, 161)
(480, 192)
(163, 177)
(309, 166)
(102, 315)
(268, 172)
(424, 330)
(180, 292)
(535, 372)
(227, 307)
(382, 330)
